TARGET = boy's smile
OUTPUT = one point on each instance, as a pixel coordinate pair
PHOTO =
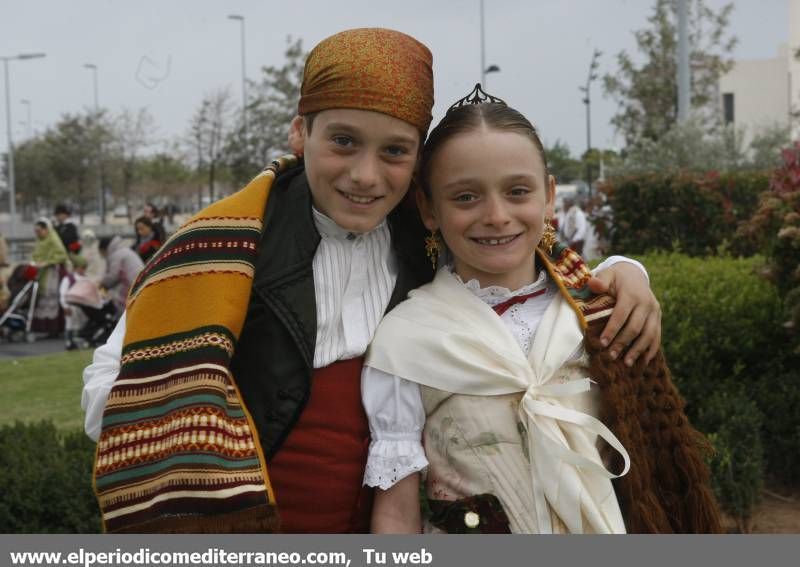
(359, 164)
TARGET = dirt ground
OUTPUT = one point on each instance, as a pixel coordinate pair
(778, 513)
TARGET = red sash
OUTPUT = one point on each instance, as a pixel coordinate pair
(318, 471)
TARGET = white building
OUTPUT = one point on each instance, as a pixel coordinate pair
(762, 93)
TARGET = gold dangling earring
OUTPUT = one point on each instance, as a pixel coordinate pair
(549, 237)
(432, 248)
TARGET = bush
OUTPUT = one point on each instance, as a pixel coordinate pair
(778, 395)
(719, 321)
(774, 229)
(737, 465)
(46, 480)
(728, 355)
(691, 213)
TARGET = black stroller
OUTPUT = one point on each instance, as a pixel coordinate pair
(101, 323)
(16, 321)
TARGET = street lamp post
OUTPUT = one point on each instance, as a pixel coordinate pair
(12, 197)
(101, 197)
(27, 103)
(93, 68)
(684, 73)
(587, 100)
(484, 69)
(240, 19)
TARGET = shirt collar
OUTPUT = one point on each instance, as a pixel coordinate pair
(328, 228)
(495, 294)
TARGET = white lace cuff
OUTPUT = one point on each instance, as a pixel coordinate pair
(390, 461)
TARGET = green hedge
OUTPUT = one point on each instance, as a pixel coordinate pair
(691, 213)
(728, 355)
(46, 480)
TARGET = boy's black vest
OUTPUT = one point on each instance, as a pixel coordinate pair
(273, 360)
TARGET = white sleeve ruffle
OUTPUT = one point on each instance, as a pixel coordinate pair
(611, 260)
(396, 419)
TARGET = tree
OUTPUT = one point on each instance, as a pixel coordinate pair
(36, 184)
(132, 133)
(561, 164)
(208, 131)
(766, 146)
(72, 154)
(647, 94)
(271, 105)
(164, 174)
(689, 147)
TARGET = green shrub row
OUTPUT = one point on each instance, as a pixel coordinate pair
(46, 480)
(729, 357)
(691, 213)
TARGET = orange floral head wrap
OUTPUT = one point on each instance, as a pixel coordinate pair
(370, 69)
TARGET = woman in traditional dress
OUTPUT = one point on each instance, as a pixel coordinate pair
(50, 257)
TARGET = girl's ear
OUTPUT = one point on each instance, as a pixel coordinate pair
(297, 135)
(426, 211)
(550, 202)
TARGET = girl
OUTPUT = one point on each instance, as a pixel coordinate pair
(147, 240)
(496, 367)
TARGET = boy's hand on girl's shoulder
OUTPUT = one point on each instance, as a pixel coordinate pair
(635, 323)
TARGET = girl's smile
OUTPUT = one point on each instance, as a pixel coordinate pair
(489, 198)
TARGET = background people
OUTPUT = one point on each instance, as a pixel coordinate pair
(151, 212)
(575, 224)
(66, 228)
(50, 257)
(147, 241)
(74, 318)
(122, 267)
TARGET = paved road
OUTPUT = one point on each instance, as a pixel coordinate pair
(22, 349)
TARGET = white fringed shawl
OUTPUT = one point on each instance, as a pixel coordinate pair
(446, 338)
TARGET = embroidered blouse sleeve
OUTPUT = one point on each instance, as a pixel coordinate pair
(396, 419)
(98, 378)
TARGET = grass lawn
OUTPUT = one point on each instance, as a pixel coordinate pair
(44, 387)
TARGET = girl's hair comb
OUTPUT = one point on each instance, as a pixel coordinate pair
(477, 96)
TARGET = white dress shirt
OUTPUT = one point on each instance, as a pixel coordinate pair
(354, 276)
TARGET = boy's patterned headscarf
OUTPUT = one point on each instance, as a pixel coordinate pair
(370, 69)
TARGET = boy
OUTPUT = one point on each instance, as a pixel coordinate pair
(239, 384)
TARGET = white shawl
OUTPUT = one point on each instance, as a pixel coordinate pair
(446, 338)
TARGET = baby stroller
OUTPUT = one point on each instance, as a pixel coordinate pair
(17, 319)
(101, 313)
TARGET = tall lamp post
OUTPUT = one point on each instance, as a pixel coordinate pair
(12, 197)
(484, 69)
(240, 19)
(684, 77)
(27, 103)
(587, 100)
(101, 197)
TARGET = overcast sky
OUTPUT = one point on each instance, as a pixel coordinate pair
(165, 54)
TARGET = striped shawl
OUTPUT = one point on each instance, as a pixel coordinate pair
(178, 450)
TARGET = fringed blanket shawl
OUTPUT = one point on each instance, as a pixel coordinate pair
(178, 450)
